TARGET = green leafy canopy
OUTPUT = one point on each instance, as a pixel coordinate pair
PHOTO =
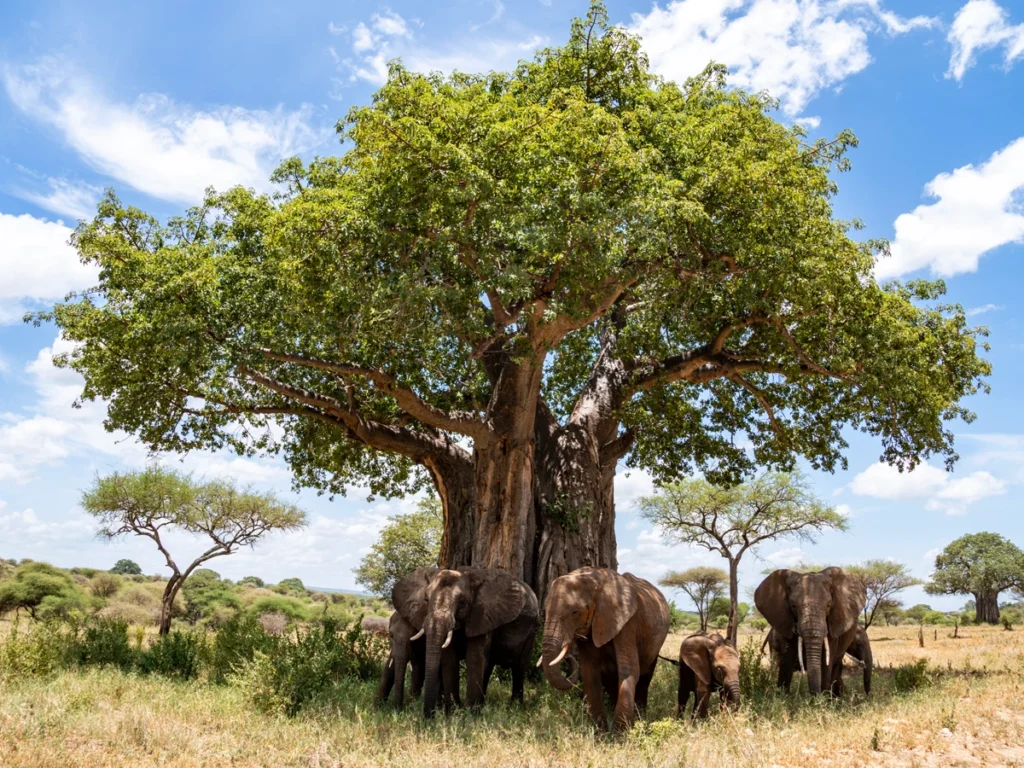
(534, 212)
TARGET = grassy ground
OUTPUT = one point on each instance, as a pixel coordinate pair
(971, 713)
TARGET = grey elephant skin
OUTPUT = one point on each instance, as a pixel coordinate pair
(484, 615)
(707, 663)
(859, 649)
(404, 652)
(618, 624)
(815, 613)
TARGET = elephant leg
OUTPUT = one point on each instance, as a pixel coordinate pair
(519, 671)
(629, 675)
(787, 662)
(387, 681)
(643, 685)
(477, 669)
(591, 677)
(687, 686)
(450, 681)
(700, 707)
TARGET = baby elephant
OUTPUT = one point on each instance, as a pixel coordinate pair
(707, 663)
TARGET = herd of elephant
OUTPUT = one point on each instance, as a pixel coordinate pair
(610, 629)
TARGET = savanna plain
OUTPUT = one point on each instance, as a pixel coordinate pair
(954, 702)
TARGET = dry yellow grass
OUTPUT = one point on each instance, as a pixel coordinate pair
(972, 714)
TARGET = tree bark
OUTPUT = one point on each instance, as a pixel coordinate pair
(732, 634)
(167, 602)
(986, 605)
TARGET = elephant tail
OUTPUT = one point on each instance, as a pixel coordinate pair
(670, 661)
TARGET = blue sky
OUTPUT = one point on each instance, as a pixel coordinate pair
(160, 102)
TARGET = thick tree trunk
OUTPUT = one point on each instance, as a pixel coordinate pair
(453, 480)
(987, 607)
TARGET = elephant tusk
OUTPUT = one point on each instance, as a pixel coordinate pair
(448, 640)
(391, 662)
(540, 662)
(827, 664)
(800, 650)
(418, 635)
(558, 659)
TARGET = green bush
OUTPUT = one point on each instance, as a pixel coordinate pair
(236, 644)
(40, 651)
(294, 609)
(755, 679)
(295, 675)
(178, 654)
(126, 567)
(104, 642)
(910, 677)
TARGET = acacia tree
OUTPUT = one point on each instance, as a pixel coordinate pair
(881, 579)
(733, 520)
(979, 564)
(701, 585)
(511, 282)
(407, 542)
(152, 501)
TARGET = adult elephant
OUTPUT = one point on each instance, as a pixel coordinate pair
(375, 625)
(484, 615)
(860, 649)
(405, 651)
(618, 623)
(811, 613)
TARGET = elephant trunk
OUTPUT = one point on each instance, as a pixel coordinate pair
(732, 694)
(813, 639)
(554, 647)
(437, 633)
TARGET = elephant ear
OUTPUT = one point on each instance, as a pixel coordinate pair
(848, 599)
(498, 597)
(409, 595)
(772, 599)
(695, 652)
(616, 603)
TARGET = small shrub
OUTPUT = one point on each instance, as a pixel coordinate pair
(236, 644)
(178, 654)
(132, 614)
(911, 677)
(274, 623)
(755, 677)
(294, 609)
(104, 584)
(104, 642)
(40, 652)
(295, 675)
(1007, 623)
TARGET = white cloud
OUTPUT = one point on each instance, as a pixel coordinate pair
(810, 123)
(844, 509)
(793, 49)
(943, 491)
(72, 199)
(389, 36)
(653, 556)
(977, 209)
(786, 557)
(36, 264)
(630, 485)
(979, 26)
(984, 309)
(165, 149)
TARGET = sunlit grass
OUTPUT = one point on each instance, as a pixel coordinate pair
(971, 713)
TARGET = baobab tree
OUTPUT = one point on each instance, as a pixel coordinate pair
(979, 564)
(511, 282)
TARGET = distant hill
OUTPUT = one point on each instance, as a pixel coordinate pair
(311, 588)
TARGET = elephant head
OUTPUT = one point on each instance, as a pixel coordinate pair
(594, 602)
(811, 608)
(712, 659)
(470, 600)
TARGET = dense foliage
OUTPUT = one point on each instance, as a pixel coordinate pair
(576, 251)
(408, 542)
